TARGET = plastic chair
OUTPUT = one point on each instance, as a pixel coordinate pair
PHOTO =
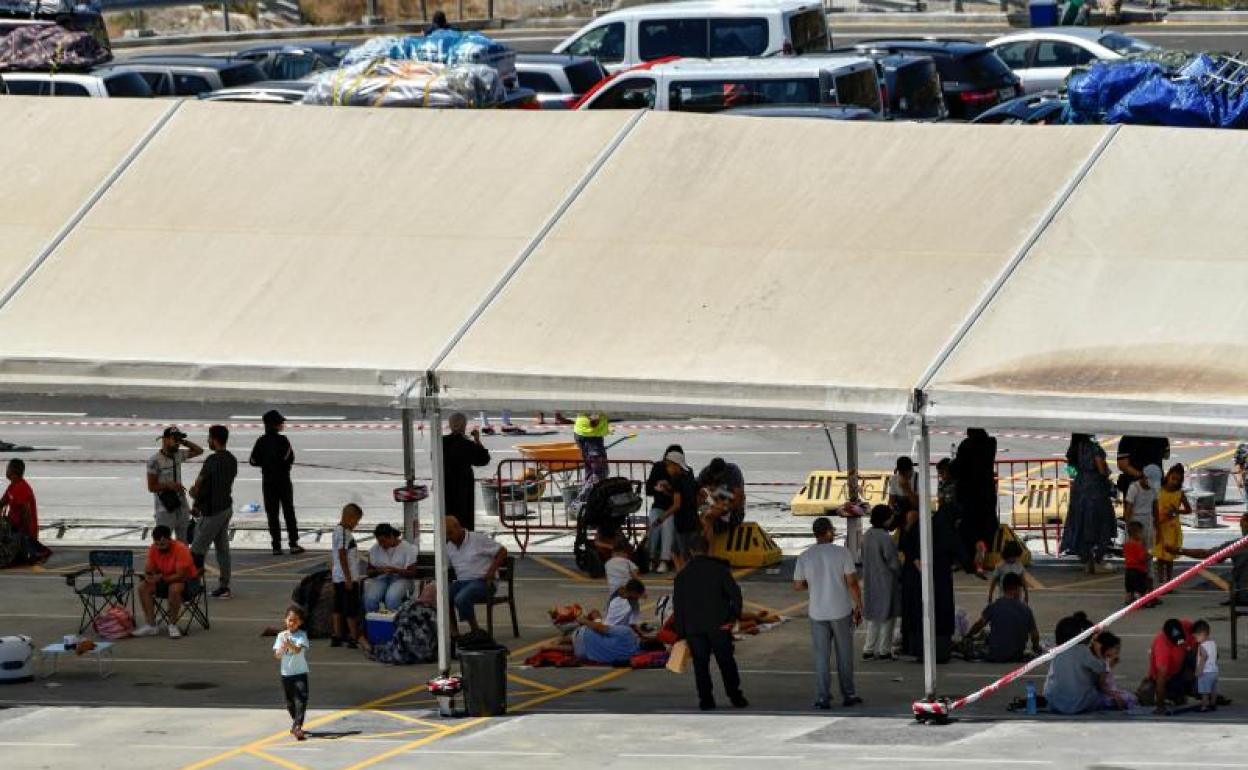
(111, 584)
(194, 608)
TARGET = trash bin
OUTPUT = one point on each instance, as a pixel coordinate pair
(1042, 13)
(485, 681)
(1211, 481)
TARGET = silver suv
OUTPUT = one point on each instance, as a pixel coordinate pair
(190, 75)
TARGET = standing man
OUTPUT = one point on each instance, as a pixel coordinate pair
(460, 455)
(164, 480)
(827, 571)
(706, 602)
(476, 559)
(1135, 453)
(590, 431)
(274, 456)
(19, 507)
(213, 493)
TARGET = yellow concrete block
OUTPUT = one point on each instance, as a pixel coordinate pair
(748, 545)
(828, 490)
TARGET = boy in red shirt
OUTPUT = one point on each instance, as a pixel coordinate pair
(1136, 557)
(169, 567)
(19, 507)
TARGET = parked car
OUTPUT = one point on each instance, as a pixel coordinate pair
(701, 29)
(911, 84)
(97, 83)
(695, 85)
(1033, 109)
(558, 79)
(264, 92)
(824, 112)
(972, 77)
(296, 61)
(190, 75)
(1043, 58)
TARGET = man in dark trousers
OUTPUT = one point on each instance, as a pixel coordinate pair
(706, 602)
(459, 455)
(213, 493)
(274, 456)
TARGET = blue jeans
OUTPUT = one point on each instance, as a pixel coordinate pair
(661, 537)
(465, 594)
(823, 633)
(390, 590)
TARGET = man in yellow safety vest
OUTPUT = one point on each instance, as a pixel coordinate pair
(590, 431)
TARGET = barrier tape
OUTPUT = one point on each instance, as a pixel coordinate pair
(942, 708)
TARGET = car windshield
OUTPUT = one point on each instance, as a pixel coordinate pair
(583, 76)
(984, 67)
(127, 84)
(1125, 44)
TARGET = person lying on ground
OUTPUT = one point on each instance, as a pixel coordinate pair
(1010, 624)
(596, 642)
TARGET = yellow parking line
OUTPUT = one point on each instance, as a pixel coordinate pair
(1033, 583)
(286, 763)
(406, 747)
(530, 683)
(411, 720)
(615, 673)
(562, 570)
(1215, 579)
(395, 734)
(283, 564)
(1211, 458)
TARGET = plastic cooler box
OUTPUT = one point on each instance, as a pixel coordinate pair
(379, 627)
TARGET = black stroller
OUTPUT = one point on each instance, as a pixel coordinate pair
(607, 507)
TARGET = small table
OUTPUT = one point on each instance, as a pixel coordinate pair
(50, 655)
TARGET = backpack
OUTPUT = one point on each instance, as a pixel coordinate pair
(315, 593)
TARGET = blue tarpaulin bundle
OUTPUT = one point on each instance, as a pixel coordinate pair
(1143, 92)
(1094, 93)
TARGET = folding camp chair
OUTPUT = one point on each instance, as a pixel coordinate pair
(111, 585)
(194, 607)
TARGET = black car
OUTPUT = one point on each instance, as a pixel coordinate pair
(297, 60)
(1033, 109)
(909, 84)
(972, 76)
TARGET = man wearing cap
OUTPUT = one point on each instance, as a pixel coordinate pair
(274, 456)
(460, 454)
(164, 480)
(391, 568)
(1171, 664)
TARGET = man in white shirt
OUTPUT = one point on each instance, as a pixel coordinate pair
(827, 570)
(475, 557)
(391, 568)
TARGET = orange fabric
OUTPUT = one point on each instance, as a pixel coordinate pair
(168, 562)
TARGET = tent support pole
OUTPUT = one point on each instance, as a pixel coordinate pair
(411, 508)
(439, 542)
(853, 526)
(925, 559)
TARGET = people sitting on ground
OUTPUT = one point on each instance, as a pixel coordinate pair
(1168, 538)
(1075, 677)
(19, 509)
(1135, 557)
(624, 608)
(666, 503)
(1108, 647)
(620, 567)
(1171, 666)
(391, 570)
(1239, 564)
(721, 497)
(169, 568)
(594, 640)
(476, 559)
(1010, 624)
(1011, 564)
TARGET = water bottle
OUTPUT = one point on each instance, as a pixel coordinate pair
(1031, 698)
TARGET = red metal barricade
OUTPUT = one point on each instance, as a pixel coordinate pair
(1035, 491)
(533, 496)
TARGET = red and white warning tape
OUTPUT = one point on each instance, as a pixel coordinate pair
(944, 708)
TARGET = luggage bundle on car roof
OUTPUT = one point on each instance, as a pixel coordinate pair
(1202, 91)
(51, 36)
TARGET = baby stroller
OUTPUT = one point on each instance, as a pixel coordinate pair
(608, 505)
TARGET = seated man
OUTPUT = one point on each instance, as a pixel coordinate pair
(476, 558)
(169, 567)
(1010, 625)
(391, 569)
(722, 490)
(1171, 666)
(18, 506)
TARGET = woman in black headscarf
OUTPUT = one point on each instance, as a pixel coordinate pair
(1090, 526)
(975, 473)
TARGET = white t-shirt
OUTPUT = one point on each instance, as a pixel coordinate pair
(472, 558)
(620, 612)
(343, 538)
(619, 571)
(1005, 568)
(824, 566)
(401, 556)
(1141, 501)
(167, 470)
(1211, 656)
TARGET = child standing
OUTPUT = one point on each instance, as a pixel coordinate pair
(1138, 506)
(1136, 558)
(1168, 538)
(345, 570)
(291, 647)
(619, 568)
(881, 570)
(1206, 665)
(1011, 564)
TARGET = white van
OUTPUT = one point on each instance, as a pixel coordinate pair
(701, 29)
(694, 85)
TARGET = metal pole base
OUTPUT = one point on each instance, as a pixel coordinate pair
(933, 711)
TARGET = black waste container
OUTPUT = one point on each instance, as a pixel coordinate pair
(485, 681)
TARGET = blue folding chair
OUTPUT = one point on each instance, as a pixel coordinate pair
(111, 584)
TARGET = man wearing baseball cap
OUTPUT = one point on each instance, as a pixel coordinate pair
(164, 480)
(1172, 664)
(274, 456)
